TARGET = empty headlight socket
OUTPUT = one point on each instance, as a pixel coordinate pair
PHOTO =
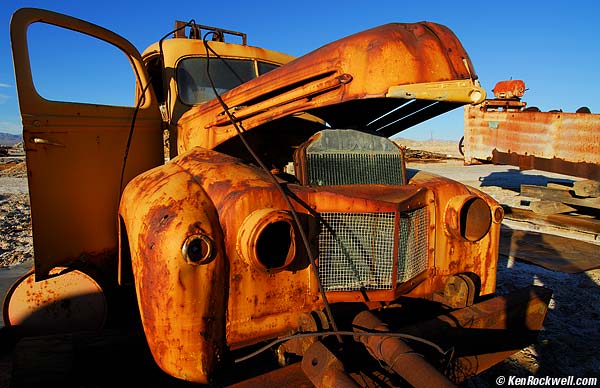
(266, 239)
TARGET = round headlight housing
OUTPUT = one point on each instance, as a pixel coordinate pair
(198, 249)
(266, 238)
(468, 217)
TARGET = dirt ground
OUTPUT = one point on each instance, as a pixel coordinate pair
(568, 344)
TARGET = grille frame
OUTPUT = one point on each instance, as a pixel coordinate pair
(349, 157)
(336, 160)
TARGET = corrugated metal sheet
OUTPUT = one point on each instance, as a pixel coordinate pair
(567, 143)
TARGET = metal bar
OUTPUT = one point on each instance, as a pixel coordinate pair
(581, 169)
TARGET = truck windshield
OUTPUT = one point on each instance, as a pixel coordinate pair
(194, 85)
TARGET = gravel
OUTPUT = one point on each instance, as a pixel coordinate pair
(16, 243)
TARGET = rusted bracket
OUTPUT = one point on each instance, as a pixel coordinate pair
(324, 369)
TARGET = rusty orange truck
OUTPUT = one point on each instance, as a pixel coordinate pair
(255, 203)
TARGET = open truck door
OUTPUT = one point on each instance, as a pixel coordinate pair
(79, 158)
(76, 151)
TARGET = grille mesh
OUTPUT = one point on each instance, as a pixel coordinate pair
(357, 249)
(335, 168)
(412, 244)
(366, 239)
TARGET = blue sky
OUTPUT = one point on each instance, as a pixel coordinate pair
(553, 46)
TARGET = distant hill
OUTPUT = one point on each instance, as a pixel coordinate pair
(448, 147)
(9, 139)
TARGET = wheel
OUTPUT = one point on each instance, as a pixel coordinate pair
(461, 146)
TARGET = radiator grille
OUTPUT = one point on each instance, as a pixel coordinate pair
(357, 249)
(412, 244)
(334, 168)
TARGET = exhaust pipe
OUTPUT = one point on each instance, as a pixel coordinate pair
(397, 354)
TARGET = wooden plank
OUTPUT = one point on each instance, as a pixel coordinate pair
(95, 359)
(558, 186)
(550, 207)
(121, 358)
(547, 193)
(587, 188)
(291, 376)
(575, 223)
(558, 195)
(553, 252)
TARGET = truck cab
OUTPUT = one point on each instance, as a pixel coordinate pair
(181, 82)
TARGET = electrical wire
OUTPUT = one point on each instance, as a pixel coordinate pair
(342, 246)
(191, 23)
(344, 333)
(140, 101)
(231, 69)
(130, 135)
(240, 131)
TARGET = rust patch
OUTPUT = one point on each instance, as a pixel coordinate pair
(509, 89)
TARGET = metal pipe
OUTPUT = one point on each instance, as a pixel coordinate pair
(401, 358)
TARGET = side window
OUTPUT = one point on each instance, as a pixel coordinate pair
(264, 67)
(78, 68)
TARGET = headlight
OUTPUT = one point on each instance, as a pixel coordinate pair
(198, 249)
(468, 217)
(498, 213)
(266, 239)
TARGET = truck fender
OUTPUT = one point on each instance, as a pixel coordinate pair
(179, 270)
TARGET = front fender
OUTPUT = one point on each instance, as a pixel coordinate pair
(182, 303)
